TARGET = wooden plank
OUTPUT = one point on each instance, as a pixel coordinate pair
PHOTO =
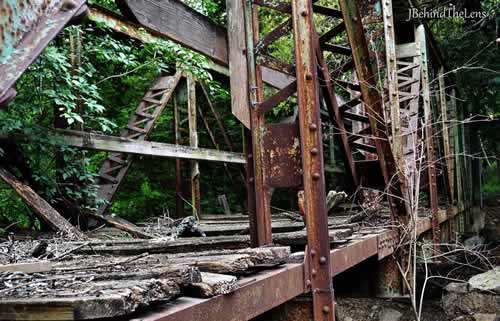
(43, 209)
(121, 224)
(213, 284)
(181, 23)
(122, 145)
(238, 61)
(95, 294)
(30, 267)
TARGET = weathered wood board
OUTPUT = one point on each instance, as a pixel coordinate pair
(43, 209)
(96, 286)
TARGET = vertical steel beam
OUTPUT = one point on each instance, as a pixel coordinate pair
(447, 152)
(392, 84)
(312, 161)
(179, 202)
(193, 142)
(255, 89)
(429, 134)
(250, 187)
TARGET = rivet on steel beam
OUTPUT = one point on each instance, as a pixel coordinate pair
(316, 176)
(249, 156)
(251, 179)
(313, 253)
(314, 151)
(322, 260)
(308, 283)
(313, 126)
(326, 309)
(313, 272)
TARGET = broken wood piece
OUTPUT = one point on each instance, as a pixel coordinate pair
(43, 209)
(222, 199)
(234, 262)
(121, 224)
(213, 284)
(300, 237)
(166, 246)
(94, 294)
(30, 267)
(334, 198)
(362, 215)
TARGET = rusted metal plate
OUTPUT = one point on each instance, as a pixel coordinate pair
(282, 165)
(26, 27)
(353, 253)
(387, 243)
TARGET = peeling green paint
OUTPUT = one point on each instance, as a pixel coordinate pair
(17, 17)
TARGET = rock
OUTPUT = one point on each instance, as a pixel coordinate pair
(475, 299)
(457, 287)
(488, 281)
(473, 242)
(389, 314)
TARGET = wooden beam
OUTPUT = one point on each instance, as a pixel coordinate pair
(43, 209)
(193, 142)
(238, 60)
(179, 201)
(122, 145)
(121, 25)
(177, 22)
(182, 25)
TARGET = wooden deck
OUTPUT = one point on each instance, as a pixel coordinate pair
(165, 279)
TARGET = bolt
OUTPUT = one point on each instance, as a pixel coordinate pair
(313, 126)
(313, 253)
(322, 260)
(326, 309)
(249, 156)
(316, 176)
(251, 179)
(313, 272)
(314, 151)
(308, 283)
